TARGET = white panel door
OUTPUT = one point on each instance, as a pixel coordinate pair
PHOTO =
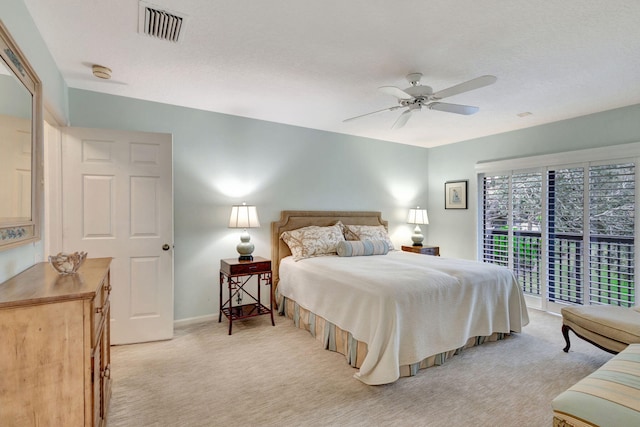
(117, 201)
(15, 167)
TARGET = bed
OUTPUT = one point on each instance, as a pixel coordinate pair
(391, 313)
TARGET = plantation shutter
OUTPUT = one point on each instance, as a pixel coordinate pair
(495, 220)
(611, 237)
(526, 196)
(588, 237)
(566, 235)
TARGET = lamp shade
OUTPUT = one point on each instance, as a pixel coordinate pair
(244, 216)
(418, 216)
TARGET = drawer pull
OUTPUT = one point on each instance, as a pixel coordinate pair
(107, 372)
(99, 310)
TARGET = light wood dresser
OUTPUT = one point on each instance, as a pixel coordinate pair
(54, 346)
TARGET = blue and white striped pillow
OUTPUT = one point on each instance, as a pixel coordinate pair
(362, 247)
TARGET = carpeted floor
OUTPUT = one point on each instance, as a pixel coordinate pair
(280, 376)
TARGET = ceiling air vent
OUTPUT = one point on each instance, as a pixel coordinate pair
(159, 23)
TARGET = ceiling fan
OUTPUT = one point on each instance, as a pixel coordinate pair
(417, 96)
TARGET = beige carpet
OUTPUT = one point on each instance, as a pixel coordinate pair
(279, 376)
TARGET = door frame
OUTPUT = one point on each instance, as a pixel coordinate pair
(52, 236)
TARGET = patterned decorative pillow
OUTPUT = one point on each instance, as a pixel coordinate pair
(312, 241)
(371, 232)
(363, 247)
(348, 234)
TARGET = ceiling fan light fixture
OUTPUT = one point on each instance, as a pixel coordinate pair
(101, 72)
(414, 78)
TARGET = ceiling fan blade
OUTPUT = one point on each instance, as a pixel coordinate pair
(402, 120)
(395, 107)
(394, 91)
(473, 84)
(453, 108)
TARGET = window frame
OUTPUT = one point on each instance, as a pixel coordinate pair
(623, 153)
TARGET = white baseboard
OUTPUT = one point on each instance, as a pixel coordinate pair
(194, 320)
(533, 301)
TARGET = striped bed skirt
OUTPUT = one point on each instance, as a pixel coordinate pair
(336, 339)
(610, 396)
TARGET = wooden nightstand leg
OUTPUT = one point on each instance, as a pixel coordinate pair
(229, 281)
(273, 323)
(220, 300)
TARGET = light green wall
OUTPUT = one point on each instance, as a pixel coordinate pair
(456, 230)
(220, 160)
(16, 18)
(286, 167)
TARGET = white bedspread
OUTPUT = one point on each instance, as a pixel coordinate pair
(405, 306)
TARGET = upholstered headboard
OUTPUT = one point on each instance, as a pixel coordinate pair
(291, 220)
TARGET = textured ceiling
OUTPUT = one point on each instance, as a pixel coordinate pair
(315, 63)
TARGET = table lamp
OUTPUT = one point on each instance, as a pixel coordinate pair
(418, 217)
(244, 216)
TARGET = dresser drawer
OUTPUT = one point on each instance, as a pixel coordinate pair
(430, 251)
(424, 250)
(99, 307)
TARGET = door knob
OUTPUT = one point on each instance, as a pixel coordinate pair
(166, 247)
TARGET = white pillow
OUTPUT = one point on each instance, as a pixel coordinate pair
(312, 241)
(371, 232)
(348, 234)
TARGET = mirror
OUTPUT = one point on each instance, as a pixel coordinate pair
(20, 146)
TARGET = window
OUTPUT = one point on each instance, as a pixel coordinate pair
(534, 222)
(495, 224)
(566, 235)
(526, 200)
(611, 234)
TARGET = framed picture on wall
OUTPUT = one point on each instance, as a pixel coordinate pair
(455, 194)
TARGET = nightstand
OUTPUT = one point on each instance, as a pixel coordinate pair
(424, 250)
(236, 274)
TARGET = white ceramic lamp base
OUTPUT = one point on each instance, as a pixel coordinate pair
(245, 247)
(417, 236)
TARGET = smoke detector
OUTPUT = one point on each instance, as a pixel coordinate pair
(101, 72)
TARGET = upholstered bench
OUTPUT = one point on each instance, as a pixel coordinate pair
(611, 328)
(608, 397)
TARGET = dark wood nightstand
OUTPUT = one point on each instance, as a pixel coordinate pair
(425, 250)
(237, 274)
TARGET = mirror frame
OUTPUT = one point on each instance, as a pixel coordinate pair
(14, 233)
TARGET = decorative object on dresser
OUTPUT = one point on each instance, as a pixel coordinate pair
(424, 250)
(244, 216)
(67, 263)
(237, 273)
(55, 354)
(418, 217)
(455, 194)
